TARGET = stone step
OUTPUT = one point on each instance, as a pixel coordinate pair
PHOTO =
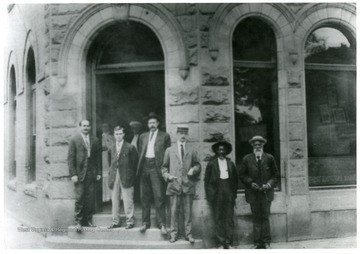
(105, 219)
(64, 242)
(152, 234)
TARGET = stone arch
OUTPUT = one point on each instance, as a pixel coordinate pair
(96, 17)
(227, 17)
(11, 63)
(339, 16)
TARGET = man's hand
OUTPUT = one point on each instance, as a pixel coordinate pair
(265, 187)
(98, 177)
(171, 178)
(254, 186)
(75, 179)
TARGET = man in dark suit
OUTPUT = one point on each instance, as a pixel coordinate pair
(123, 158)
(84, 168)
(221, 181)
(181, 169)
(260, 174)
(152, 146)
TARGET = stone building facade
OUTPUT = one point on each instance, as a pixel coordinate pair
(57, 62)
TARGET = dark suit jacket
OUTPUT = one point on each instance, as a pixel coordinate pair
(162, 142)
(79, 163)
(212, 178)
(173, 166)
(125, 164)
(129, 138)
(251, 173)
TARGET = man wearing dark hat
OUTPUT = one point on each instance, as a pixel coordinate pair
(259, 173)
(152, 146)
(180, 170)
(221, 180)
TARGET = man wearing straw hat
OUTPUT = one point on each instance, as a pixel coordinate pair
(260, 174)
(181, 168)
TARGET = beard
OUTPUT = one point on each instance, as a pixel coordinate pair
(258, 152)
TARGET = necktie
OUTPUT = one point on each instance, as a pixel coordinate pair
(151, 135)
(258, 160)
(87, 144)
(182, 151)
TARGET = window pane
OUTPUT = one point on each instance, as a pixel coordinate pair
(329, 46)
(255, 101)
(331, 126)
(254, 40)
(129, 42)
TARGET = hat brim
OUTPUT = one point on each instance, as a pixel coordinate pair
(227, 145)
(147, 118)
(257, 139)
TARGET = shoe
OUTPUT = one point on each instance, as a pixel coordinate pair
(267, 246)
(143, 228)
(89, 224)
(190, 239)
(78, 227)
(173, 239)
(113, 226)
(128, 226)
(257, 246)
(163, 230)
(226, 245)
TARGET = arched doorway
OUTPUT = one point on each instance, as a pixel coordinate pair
(12, 123)
(126, 66)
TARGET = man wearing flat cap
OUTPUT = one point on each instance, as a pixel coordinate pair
(181, 168)
(260, 174)
(221, 181)
(152, 146)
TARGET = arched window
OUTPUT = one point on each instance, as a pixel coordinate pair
(31, 115)
(255, 86)
(330, 69)
(12, 123)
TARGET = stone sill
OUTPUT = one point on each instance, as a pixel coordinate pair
(12, 184)
(30, 190)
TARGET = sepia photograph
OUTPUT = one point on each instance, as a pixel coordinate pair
(178, 125)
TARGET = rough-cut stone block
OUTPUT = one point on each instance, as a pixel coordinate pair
(65, 102)
(193, 132)
(215, 96)
(206, 8)
(68, 8)
(297, 168)
(266, 8)
(58, 154)
(60, 137)
(64, 119)
(216, 132)
(296, 149)
(60, 213)
(206, 152)
(216, 114)
(296, 114)
(295, 96)
(188, 23)
(298, 219)
(191, 39)
(183, 95)
(204, 39)
(193, 56)
(184, 114)
(298, 185)
(216, 77)
(255, 7)
(58, 170)
(58, 36)
(204, 22)
(62, 22)
(296, 131)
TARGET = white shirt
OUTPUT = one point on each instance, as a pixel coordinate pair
(118, 147)
(87, 142)
(135, 140)
(150, 152)
(224, 171)
(179, 149)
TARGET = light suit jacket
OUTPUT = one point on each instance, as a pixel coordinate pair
(173, 166)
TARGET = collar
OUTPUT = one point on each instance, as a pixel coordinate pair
(155, 133)
(181, 143)
(119, 144)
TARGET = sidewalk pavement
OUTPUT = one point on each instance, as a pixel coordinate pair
(32, 240)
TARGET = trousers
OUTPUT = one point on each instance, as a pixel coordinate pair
(84, 200)
(223, 210)
(176, 201)
(151, 182)
(260, 210)
(127, 195)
